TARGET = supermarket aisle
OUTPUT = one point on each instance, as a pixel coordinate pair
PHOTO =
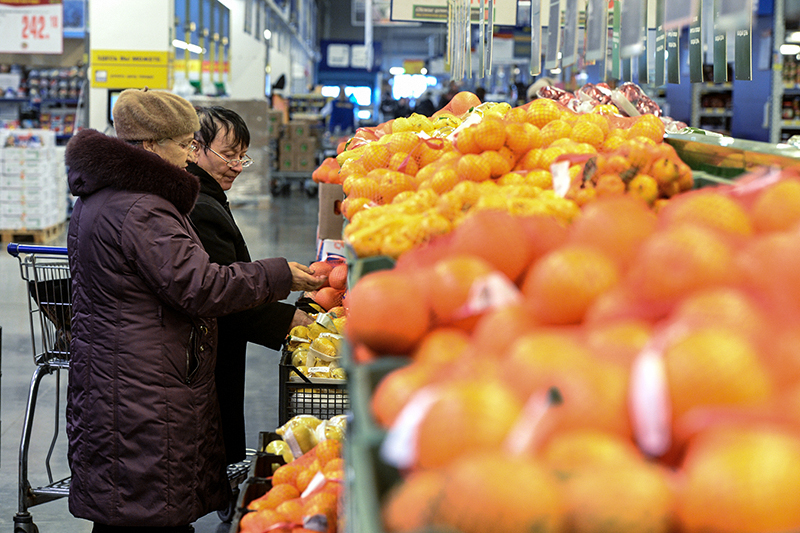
(285, 226)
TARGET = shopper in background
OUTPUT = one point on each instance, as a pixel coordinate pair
(342, 118)
(223, 140)
(145, 446)
(425, 105)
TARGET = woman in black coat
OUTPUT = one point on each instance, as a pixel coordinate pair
(223, 140)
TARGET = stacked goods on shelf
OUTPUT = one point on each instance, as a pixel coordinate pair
(33, 181)
(311, 380)
(636, 368)
(297, 488)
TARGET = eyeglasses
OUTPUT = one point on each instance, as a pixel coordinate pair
(190, 147)
(246, 161)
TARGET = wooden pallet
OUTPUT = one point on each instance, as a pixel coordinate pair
(33, 236)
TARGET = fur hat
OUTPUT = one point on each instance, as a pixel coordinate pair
(145, 115)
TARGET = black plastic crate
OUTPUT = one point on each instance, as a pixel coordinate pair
(299, 394)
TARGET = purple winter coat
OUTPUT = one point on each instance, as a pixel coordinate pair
(143, 419)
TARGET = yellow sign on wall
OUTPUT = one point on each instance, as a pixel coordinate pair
(118, 69)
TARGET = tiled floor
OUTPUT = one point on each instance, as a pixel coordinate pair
(284, 227)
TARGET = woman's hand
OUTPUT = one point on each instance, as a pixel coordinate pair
(303, 278)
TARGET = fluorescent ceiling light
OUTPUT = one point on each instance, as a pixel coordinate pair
(267, 35)
(790, 49)
(397, 71)
(193, 48)
(227, 3)
(793, 37)
(423, 71)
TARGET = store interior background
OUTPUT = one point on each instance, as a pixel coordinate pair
(300, 32)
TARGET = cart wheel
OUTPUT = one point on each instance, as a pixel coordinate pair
(24, 524)
(226, 515)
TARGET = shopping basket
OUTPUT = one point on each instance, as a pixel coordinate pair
(45, 271)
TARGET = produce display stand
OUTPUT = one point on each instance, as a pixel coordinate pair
(257, 482)
(299, 394)
(714, 161)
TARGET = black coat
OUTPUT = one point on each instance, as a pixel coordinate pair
(143, 418)
(266, 325)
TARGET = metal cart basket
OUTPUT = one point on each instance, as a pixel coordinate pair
(45, 271)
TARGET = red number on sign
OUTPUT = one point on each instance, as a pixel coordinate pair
(33, 27)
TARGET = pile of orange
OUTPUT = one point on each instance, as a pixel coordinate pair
(332, 293)
(492, 156)
(639, 367)
(288, 503)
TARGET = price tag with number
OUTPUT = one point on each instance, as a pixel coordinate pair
(32, 28)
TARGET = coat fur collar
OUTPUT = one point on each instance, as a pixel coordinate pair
(96, 161)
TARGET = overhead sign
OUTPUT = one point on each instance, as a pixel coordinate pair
(130, 69)
(31, 27)
(505, 11)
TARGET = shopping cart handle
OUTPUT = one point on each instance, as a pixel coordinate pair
(15, 249)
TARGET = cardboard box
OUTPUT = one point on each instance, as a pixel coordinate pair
(299, 129)
(274, 123)
(331, 220)
(304, 162)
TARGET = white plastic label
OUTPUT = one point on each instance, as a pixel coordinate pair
(399, 448)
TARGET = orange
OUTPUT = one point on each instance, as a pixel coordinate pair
(521, 137)
(328, 450)
(594, 393)
(287, 474)
(462, 102)
(644, 187)
(576, 450)
(375, 156)
(618, 341)
(498, 329)
(543, 234)
(711, 209)
(321, 268)
(714, 366)
(403, 162)
(450, 283)
(351, 206)
(617, 225)
(768, 262)
(465, 416)
(307, 474)
(441, 347)
(674, 262)
(265, 520)
(530, 160)
(609, 185)
(586, 132)
(777, 207)
(384, 316)
(741, 479)
(649, 126)
(467, 141)
(727, 307)
(392, 183)
(292, 510)
(363, 187)
(597, 119)
(498, 165)
(632, 495)
(274, 497)
(490, 133)
(338, 277)
(329, 297)
(542, 111)
(562, 285)
(490, 492)
(554, 130)
(395, 389)
(473, 167)
(496, 237)
(409, 505)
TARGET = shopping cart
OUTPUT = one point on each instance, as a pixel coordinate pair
(45, 271)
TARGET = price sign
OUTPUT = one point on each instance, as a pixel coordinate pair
(32, 28)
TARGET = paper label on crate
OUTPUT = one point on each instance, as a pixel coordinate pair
(489, 292)
(399, 448)
(561, 179)
(325, 370)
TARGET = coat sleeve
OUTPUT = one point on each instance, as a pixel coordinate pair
(167, 254)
